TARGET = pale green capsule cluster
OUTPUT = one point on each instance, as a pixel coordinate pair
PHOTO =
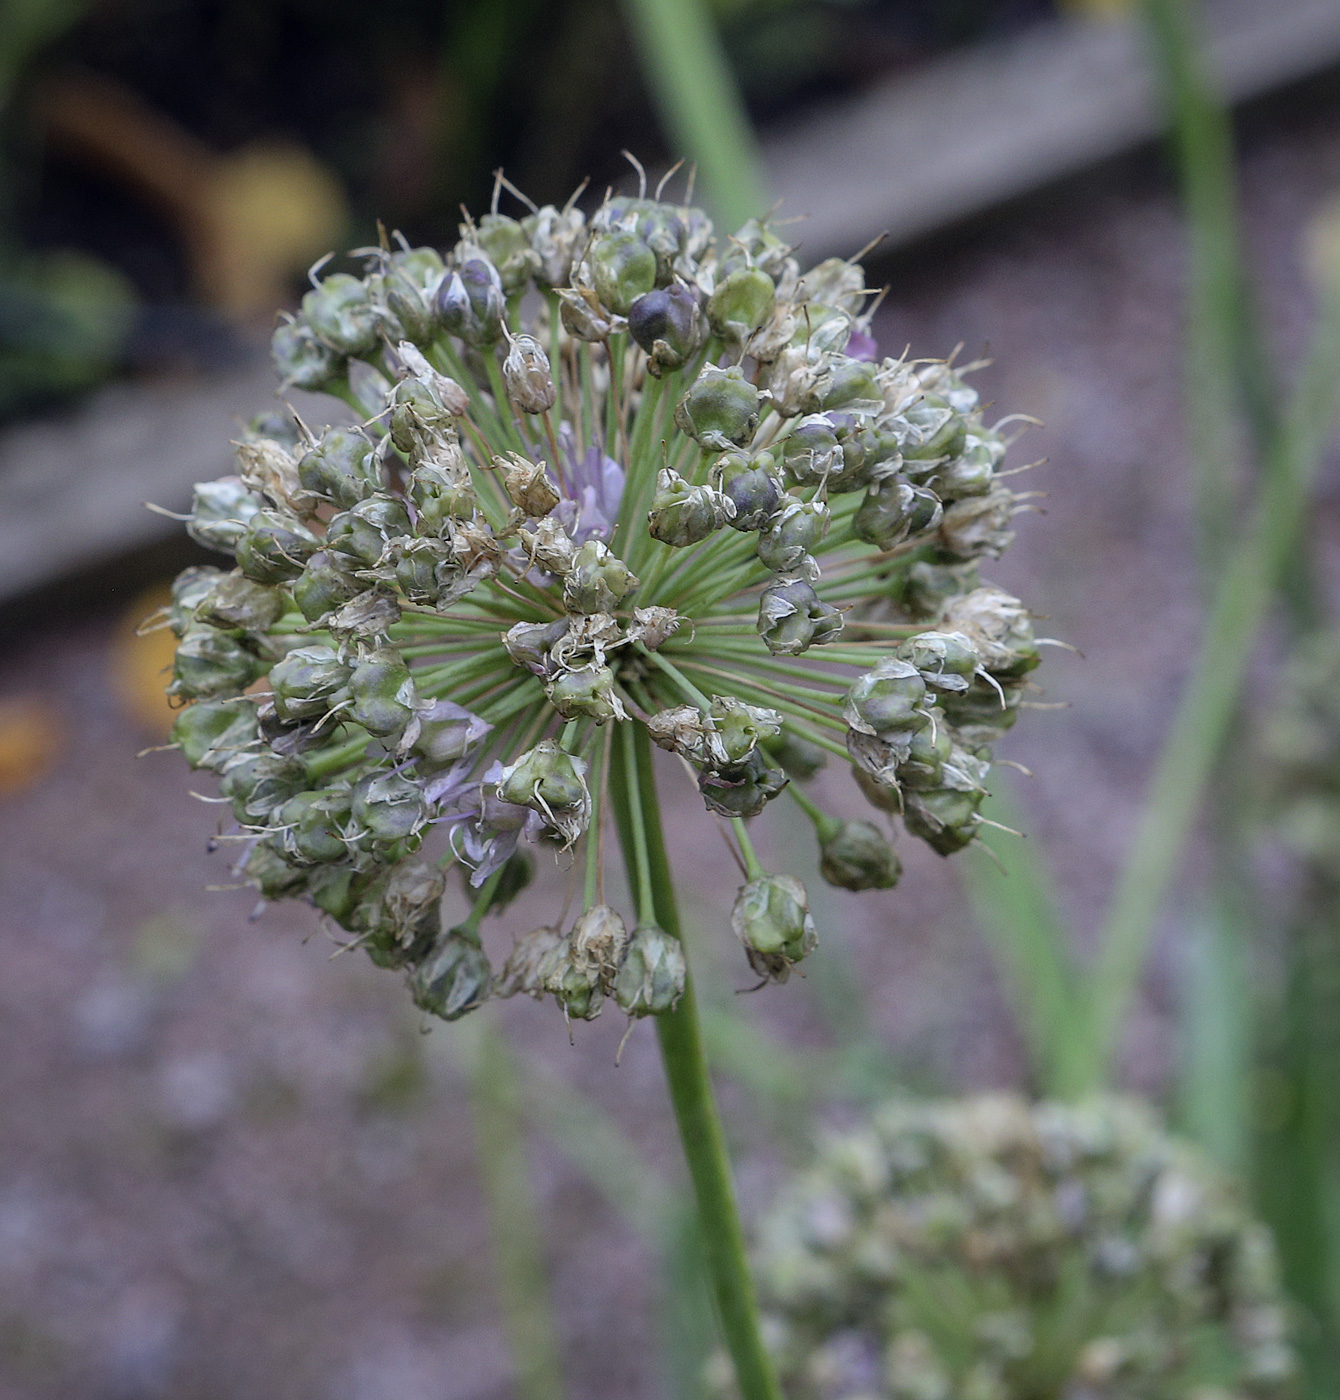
(597, 471)
(992, 1249)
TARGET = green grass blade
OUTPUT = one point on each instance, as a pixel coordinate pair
(700, 107)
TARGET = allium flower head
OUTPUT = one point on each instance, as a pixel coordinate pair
(599, 472)
(989, 1249)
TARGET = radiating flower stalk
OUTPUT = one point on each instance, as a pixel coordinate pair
(990, 1249)
(608, 480)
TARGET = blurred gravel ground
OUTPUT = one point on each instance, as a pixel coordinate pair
(231, 1166)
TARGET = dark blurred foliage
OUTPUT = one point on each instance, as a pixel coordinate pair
(414, 103)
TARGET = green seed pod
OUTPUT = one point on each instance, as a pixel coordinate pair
(274, 547)
(924, 589)
(322, 587)
(930, 429)
(720, 410)
(983, 712)
(889, 700)
(342, 467)
(756, 245)
(741, 304)
(211, 664)
(811, 452)
(1000, 628)
(471, 303)
(742, 789)
(772, 919)
(792, 618)
(442, 492)
(303, 360)
(308, 683)
(945, 818)
(971, 473)
(424, 412)
(740, 728)
(847, 386)
(400, 913)
(189, 589)
(548, 780)
(574, 986)
(447, 733)
(869, 454)
(623, 269)
(342, 315)
(383, 693)
(854, 855)
(751, 486)
(527, 376)
(588, 691)
(800, 759)
(220, 511)
(388, 807)
(682, 514)
(894, 510)
(929, 752)
(335, 891)
(650, 980)
(313, 824)
(667, 324)
(359, 536)
(508, 246)
(267, 870)
(259, 785)
(408, 290)
(236, 602)
(454, 979)
(881, 792)
(786, 545)
(946, 660)
(425, 570)
(597, 581)
(212, 733)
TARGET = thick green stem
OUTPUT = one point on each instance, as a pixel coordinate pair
(691, 1091)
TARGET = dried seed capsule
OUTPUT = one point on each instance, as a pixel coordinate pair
(237, 602)
(527, 484)
(527, 376)
(274, 548)
(797, 529)
(399, 912)
(359, 536)
(742, 789)
(597, 580)
(854, 855)
(424, 411)
(211, 664)
(471, 303)
(220, 511)
(388, 807)
(751, 486)
(666, 323)
(529, 644)
(623, 268)
(889, 700)
(303, 360)
(741, 304)
(720, 409)
(588, 691)
(383, 694)
(454, 979)
(553, 234)
(754, 244)
(212, 733)
(682, 514)
(308, 683)
(1000, 628)
(792, 618)
(835, 282)
(322, 587)
(772, 919)
(651, 978)
(535, 959)
(894, 510)
(598, 939)
(342, 467)
(342, 315)
(978, 527)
